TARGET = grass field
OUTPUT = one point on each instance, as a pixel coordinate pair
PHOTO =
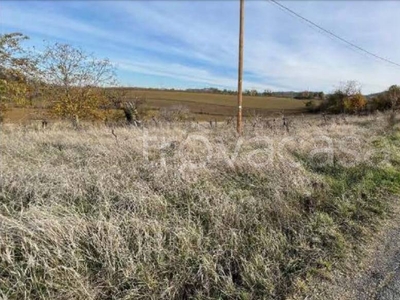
(188, 211)
(203, 106)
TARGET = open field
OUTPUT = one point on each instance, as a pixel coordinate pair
(189, 211)
(216, 104)
(203, 106)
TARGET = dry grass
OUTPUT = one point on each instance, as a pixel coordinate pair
(89, 215)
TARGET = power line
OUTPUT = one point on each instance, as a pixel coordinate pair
(330, 33)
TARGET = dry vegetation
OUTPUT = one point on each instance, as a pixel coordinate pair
(202, 106)
(64, 82)
(216, 104)
(190, 211)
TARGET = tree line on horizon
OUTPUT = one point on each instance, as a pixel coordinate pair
(266, 93)
(75, 83)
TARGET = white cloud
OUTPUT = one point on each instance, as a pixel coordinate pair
(196, 41)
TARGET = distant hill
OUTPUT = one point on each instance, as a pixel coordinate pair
(370, 96)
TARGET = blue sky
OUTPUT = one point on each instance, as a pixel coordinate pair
(185, 44)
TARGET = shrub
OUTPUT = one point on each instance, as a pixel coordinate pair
(380, 102)
(175, 113)
(335, 102)
(393, 94)
(17, 71)
(354, 103)
(312, 107)
(346, 98)
(389, 99)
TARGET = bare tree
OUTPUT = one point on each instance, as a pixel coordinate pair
(74, 81)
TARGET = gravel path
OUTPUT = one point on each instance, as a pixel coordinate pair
(377, 279)
(382, 280)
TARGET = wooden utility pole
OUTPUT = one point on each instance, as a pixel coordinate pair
(240, 72)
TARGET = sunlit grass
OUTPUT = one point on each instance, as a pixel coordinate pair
(86, 215)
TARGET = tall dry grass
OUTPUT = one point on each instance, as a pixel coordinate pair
(189, 211)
